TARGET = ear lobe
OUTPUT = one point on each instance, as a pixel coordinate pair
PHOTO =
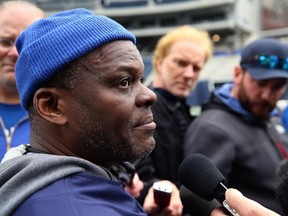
(49, 104)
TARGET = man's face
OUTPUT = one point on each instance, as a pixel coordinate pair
(12, 22)
(110, 110)
(180, 69)
(260, 96)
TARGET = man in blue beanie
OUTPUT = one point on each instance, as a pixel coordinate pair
(80, 78)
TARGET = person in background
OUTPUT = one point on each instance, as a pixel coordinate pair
(15, 16)
(80, 77)
(178, 59)
(236, 130)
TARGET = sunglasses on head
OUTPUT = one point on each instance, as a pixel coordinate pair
(268, 61)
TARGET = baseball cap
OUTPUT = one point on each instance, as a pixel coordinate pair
(265, 59)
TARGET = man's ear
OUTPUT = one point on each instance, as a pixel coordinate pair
(158, 65)
(49, 104)
(238, 74)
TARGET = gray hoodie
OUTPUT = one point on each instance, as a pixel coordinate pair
(23, 175)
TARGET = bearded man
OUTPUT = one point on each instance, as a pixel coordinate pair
(236, 130)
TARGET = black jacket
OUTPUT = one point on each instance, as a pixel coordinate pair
(245, 151)
(172, 118)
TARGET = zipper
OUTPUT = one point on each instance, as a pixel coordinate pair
(9, 135)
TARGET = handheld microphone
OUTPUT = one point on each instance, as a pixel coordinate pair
(202, 177)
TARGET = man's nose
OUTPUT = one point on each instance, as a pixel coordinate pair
(189, 71)
(13, 52)
(267, 94)
(146, 97)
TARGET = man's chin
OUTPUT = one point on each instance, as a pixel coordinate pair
(10, 77)
(182, 93)
(262, 116)
(262, 112)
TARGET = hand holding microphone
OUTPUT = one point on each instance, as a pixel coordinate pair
(202, 177)
(243, 205)
(155, 205)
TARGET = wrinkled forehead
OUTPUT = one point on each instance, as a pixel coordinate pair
(17, 19)
(119, 51)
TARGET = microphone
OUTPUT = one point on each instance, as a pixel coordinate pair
(196, 205)
(201, 176)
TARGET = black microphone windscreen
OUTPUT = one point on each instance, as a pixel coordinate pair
(195, 205)
(200, 175)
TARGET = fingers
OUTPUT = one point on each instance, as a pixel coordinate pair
(245, 206)
(136, 187)
(149, 205)
(175, 207)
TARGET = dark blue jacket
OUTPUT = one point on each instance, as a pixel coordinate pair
(78, 195)
(50, 185)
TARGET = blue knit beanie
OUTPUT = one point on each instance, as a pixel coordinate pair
(49, 44)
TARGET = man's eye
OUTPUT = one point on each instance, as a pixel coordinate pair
(6, 42)
(261, 83)
(278, 86)
(196, 68)
(125, 82)
(181, 63)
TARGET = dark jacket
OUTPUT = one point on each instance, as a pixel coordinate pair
(49, 185)
(245, 150)
(172, 118)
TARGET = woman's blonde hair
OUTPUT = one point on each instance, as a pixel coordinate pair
(185, 32)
